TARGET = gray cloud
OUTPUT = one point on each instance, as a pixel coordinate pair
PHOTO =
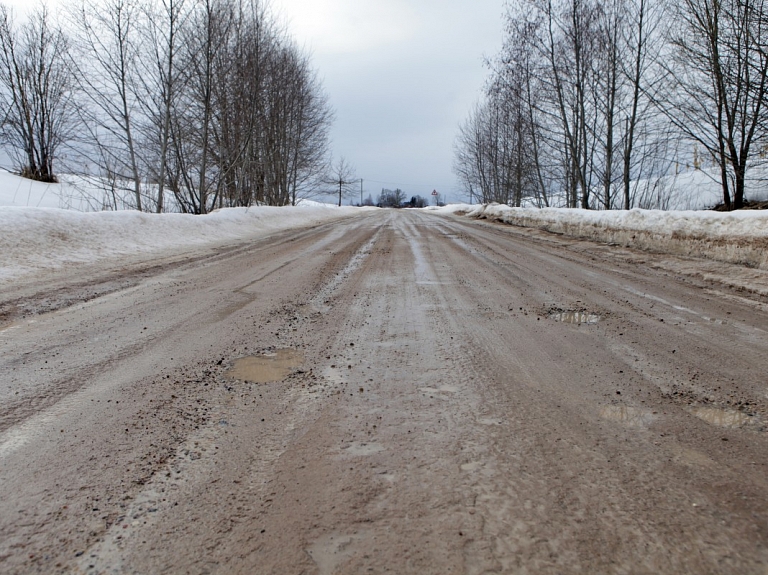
(401, 77)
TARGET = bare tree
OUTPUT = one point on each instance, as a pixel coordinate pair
(35, 90)
(104, 59)
(195, 175)
(721, 69)
(391, 198)
(643, 45)
(161, 79)
(249, 122)
(567, 113)
(342, 176)
(208, 99)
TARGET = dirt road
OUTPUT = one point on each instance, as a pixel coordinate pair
(448, 396)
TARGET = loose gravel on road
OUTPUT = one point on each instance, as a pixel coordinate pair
(399, 392)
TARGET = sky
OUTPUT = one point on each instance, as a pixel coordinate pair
(401, 76)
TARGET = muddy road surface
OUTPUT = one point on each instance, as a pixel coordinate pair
(396, 393)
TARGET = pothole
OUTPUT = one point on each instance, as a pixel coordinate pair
(574, 316)
(267, 367)
(724, 417)
(629, 416)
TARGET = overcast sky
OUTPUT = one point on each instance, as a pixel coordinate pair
(401, 76)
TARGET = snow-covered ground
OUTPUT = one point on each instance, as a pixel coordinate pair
(20, 192)
(45, 237)
(697, 189)
(735, 237)
(89, 194)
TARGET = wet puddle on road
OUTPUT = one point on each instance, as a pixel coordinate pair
(575, 317)
(723, 417)
(629, 416)
(268, 367)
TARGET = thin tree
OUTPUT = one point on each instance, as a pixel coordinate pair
(104, 59)
(161, 82)
(36, 92)
(342, 176)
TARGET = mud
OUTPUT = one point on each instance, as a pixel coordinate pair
(267, 367)
(387, 394)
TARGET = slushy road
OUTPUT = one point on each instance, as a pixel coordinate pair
(443, 396)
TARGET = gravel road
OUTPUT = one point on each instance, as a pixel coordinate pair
(398, 392)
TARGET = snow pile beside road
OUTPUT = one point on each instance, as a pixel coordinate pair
(44, 238)
(735, 237)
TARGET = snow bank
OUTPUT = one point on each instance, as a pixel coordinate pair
(46, 238)
(735, 237)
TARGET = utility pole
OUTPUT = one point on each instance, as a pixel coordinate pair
(342, 182)
(361, 192)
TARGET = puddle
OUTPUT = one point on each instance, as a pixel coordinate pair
(268, 367)
(724, 417)
(629, 416)
(575, 317)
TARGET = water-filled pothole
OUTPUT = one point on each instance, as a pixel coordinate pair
(574, 316)
(268, 367)
(724, 417)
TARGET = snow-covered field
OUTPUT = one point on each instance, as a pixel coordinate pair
(20, 192)
(36, 234)
(736, 237)
(693, 189)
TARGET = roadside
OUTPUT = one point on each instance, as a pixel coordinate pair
(733, 237)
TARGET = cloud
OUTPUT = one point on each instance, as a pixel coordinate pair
(336, 27)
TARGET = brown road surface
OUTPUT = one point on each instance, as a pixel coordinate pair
(446, 396)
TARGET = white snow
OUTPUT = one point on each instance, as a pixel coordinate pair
(16, 191)
(47, 238)
(78, 193)
(736, 237)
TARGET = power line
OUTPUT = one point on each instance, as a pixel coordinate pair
(410, 185)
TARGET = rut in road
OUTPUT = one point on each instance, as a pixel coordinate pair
(452, 413)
